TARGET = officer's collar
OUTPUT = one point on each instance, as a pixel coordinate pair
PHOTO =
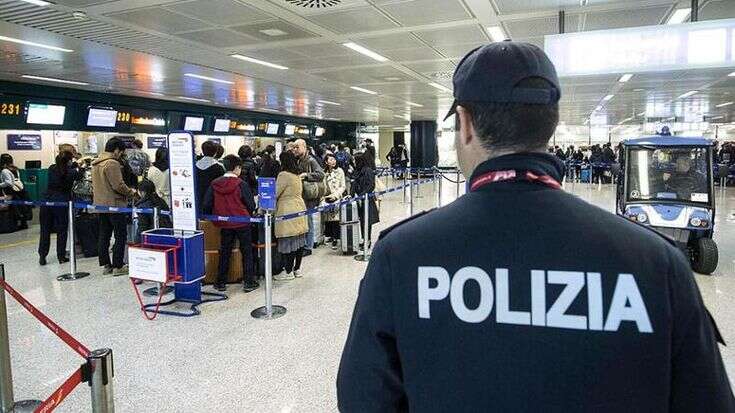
(536, 162)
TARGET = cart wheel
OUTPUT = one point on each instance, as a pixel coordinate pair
(704, 256)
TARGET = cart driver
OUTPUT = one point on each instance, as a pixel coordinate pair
(683, 181)
(520, 297)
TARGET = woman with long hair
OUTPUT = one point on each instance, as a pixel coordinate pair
(336, 186)
(248, 171)
(364, 183)
(158, 174)
(291, 233)
(61, 177)
(11, 188)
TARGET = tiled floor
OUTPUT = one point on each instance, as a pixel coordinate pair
(224, 360)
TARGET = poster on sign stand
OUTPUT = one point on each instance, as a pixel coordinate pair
(184, 243)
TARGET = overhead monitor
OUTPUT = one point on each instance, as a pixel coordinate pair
(290, 129)
(193, 123)
(272, 129)
(319, 131)
(221, 125)
(103, 118)
(43, 114)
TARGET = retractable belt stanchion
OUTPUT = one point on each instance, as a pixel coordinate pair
(404, 186)
(156, 218)
(458, 184)
(411, 200)
(365, 256)
(439, 189)
(101, 381)
(73, 275)
(269, 311)
(418, 184)
(7, 401)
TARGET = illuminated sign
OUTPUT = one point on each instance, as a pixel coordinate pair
(124, 117)
(146, 118)
(102, 117)
(10, 109)
(221, 125)
(706, 44)
(43, 114)
(290, 130)
(247, 127)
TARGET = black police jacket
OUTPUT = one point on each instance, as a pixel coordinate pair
(522, 298)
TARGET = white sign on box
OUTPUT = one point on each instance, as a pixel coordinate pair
(181, 170)
(149, 265)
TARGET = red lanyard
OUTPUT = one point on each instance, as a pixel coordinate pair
(512, 175)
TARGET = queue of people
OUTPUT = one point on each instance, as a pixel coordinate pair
(123, 175)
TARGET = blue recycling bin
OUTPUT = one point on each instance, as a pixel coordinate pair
(189, 259)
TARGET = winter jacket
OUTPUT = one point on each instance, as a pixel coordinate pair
(207, 170)
(145, 221)
(60, 184)
(363, 183)
(314, 173)
(107, 182)
(229, 196)
(162, 181)
(336, 186)
(249, 173)
(269, 167)
(289, 201)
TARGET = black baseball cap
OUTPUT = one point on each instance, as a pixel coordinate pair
(490, 73)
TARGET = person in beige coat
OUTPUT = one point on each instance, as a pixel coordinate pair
(291, 234)
(110, 190)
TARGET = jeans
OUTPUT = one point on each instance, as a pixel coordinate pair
(310, 234)
(108, 224)
(227, 242)
(57, 220)
(292, 261)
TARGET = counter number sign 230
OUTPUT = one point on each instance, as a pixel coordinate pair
(10, 109)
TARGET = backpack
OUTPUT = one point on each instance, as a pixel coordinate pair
(82, 188)
(343, 160)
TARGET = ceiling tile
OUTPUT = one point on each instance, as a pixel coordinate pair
(431, 67)
(159, 19)
(363, 19)
(321, 50)
(718, 9)
(277, 30)
(521, 6)
(539, 27)
(625, 18)
(218, 38)
(417, 12)
(389, 42)
(220, 12)
(454, 35)
(414, 53)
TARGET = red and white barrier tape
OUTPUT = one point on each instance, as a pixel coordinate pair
(60, 332)
(60, 394)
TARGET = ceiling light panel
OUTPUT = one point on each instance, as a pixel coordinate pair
(258, 61)
(211, 79)
(365, 51)
(193, 99)
(359, 89)
(328, 102)
(722, 105)
(690, 93)
(679, 16)
(55, 80)
(497, 34)
(41, 3)
(34, 44)
(440, 87)
(624, 78)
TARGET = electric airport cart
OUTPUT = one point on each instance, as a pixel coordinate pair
(668, 185)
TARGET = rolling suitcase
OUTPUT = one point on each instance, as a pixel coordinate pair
(259, 246)
(584, 176)
(318, 229)
(349, 228)
(86, 232)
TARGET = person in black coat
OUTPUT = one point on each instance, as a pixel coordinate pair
(249, 168)
(61, 177)
(149, 199)
(363, 182)
(207, 170)
(269, 165)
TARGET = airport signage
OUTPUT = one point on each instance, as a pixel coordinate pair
(17, 142)
(267, 193)
(182, 175)
(155, 142)
(707, 44)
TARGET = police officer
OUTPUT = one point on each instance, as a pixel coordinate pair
(519, 297)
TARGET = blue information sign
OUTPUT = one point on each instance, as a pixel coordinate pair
(267, 193)
(155, 142)
(24, 142)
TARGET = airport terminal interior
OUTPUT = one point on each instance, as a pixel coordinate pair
(647, 92)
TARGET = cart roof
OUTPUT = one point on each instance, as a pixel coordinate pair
(669, 141)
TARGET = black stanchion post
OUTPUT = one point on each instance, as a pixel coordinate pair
(269, 311)
(156, 217)
(103, 370)
(404, 185)
(418, 185)
(73, 275)
(365, 256)
(411, 199)
(458, 184)
(439, 180)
